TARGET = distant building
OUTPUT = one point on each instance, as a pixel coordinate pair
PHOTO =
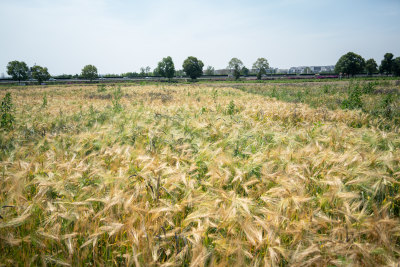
(222, 72)
(311, 69)
(282, 71)
(292, 70)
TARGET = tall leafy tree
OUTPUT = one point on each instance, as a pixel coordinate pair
(18, 70)
(396, 66)
(89, 72)
(235, 65)
(142, 71)
(145, 71)
(210, 70)
(350, 63)
(193, 67)
(166, 68)
(261, 65)
(40, 73)
(244, 71)
(386, 64)
(371, 66)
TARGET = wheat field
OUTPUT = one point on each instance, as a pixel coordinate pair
(194, 175)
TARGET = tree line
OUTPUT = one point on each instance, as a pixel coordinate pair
(352, 64)
(349, 64)
(191, 67)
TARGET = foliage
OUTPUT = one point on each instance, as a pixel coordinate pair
(89, 72)
(387, 106)
(6, 110)
(369, 88)
(193, 67)
(244, 71)
(145, 71)
(396, 66)
(235, 63)
(209, 70)
(371, 66)
(261, 65)
(39, 73)
(350, 64)
(101, 88)
(63, 76)
(18, 70)
(112, 75)
(131, 74)
(166, 68)
(354, 99)
(179, 73)
(44, 101)
(117, 95)
(236, 72)
(231, 108)
(386, 64)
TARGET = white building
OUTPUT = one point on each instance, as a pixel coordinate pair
(311, 69)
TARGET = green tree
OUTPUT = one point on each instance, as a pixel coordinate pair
(193, 67)
(350, 63)
(235, 62)
(396, 66)
(130, 74)
(386, 64)
(89, 72)
(40, 73)
(18, 70)
(142, 72)
(371, 66)
(145, 71)
(210, 70)
(261, 65)
(235, 65)
(166, 68)
(236, 72)
(244, 71)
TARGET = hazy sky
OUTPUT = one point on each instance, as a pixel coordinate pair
(120, 35)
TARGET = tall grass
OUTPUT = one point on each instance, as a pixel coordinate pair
(380, 99)
(194, 176)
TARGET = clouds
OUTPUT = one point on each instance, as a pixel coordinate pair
(119, 36)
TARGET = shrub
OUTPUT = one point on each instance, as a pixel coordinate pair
(44, 104)
(354, 99)
(386, 106)
(368, 88)
(7, 116)
(101, 88)
(231, 108)
(117, 95)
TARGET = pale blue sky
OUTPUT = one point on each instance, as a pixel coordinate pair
(120, 36)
